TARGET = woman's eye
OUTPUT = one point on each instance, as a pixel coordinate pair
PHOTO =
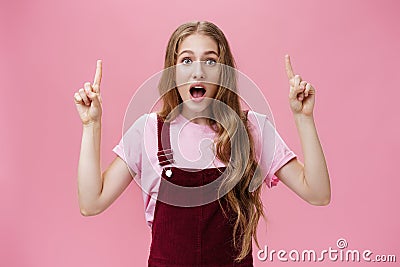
(186, 60)
(210, 62)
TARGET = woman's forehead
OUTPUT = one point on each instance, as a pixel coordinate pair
(198, 44)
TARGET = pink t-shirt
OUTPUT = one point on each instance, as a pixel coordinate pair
(193, 148)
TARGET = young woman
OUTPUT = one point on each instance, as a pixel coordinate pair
(165, 144)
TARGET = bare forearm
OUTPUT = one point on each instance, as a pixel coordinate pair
(89, 170)
(315, 169)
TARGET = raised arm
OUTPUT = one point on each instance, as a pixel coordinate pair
(96, 191)
(310, 180)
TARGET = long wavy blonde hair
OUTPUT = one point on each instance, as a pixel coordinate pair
(241, 166)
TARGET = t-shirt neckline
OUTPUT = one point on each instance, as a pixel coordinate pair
(186, 122)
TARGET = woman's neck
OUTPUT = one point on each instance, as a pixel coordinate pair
(200, 118)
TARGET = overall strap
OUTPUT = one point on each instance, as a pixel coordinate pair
(164, 153)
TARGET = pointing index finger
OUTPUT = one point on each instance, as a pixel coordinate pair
(97, 77)
(289, 69)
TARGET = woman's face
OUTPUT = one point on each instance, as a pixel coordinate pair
(197, 72)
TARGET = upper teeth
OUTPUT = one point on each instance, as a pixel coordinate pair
(198, 87)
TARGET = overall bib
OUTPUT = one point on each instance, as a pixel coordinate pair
(199, 236)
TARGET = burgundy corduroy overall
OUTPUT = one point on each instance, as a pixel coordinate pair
(197, 236)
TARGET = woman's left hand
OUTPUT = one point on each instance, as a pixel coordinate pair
(302, 93)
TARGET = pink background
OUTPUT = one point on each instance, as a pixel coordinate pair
(348, 49)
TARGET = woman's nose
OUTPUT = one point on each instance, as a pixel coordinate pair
(198, 72)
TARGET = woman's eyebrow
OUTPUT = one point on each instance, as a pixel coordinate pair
(211, 52)
(205, 53)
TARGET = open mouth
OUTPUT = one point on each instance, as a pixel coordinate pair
(197, 91)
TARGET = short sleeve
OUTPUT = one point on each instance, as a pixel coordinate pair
(271, 150)
(283, 154)
(129, 148)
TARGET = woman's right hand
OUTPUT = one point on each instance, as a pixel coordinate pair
(88, 99)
